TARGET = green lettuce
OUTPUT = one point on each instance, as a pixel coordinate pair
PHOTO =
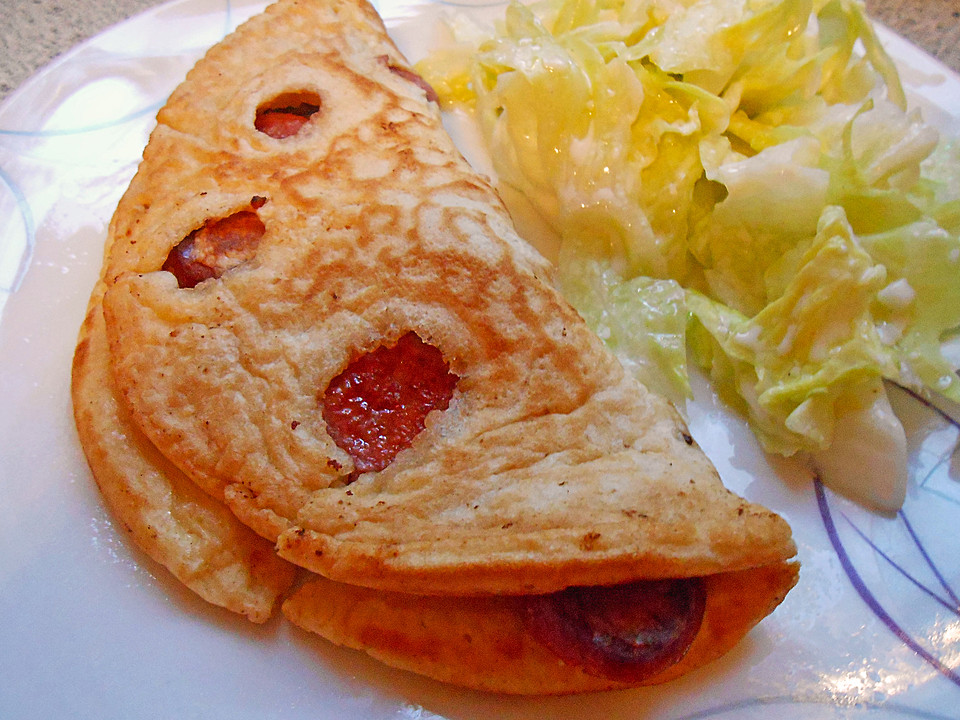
(737, 178)
(791, 360)
(642, 320)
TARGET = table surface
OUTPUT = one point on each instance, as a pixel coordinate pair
(33, 32)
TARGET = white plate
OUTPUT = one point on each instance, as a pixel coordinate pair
(91, 628)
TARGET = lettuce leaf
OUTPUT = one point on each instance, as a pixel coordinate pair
(791, 360)
(642, 320)
(747, 167)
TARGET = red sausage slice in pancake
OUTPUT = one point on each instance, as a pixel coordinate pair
(376, 407)
(214, 248)
(626, 632)
(284, 122)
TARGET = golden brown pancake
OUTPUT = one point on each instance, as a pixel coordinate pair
(315, 311)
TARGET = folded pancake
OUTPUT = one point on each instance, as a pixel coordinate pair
(256, 276)
(318, 321)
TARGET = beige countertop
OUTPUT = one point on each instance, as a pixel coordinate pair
(32, 32)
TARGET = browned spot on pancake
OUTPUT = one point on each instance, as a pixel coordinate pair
(399, 643)
(589, 541)
(285, 115)
(379, 403)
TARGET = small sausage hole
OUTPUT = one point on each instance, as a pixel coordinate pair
(220, 244)
(286, 114)
(378, 405)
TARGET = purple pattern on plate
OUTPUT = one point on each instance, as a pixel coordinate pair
(870, 599)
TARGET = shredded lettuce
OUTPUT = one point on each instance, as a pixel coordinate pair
(642, 320)
(741, 179)
(792, 359)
